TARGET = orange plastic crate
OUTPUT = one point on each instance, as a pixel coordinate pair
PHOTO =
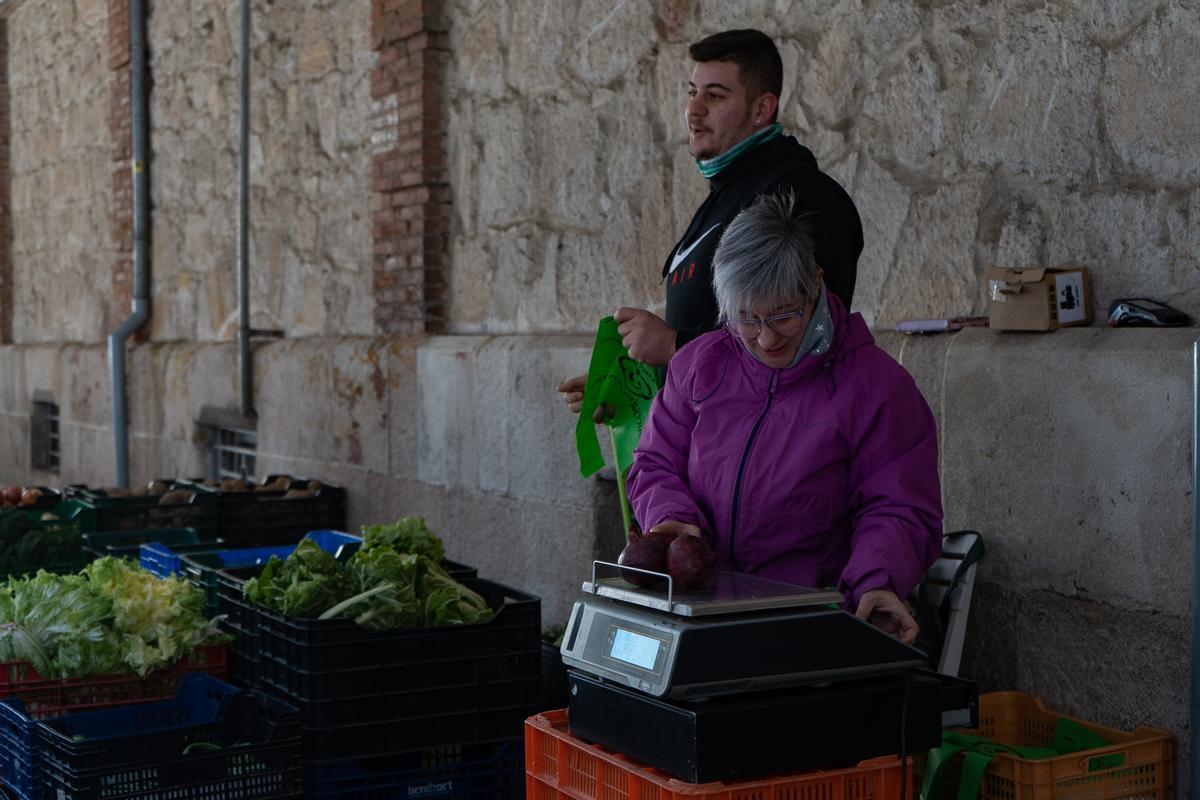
(557, 765)
(1020, 720)
(52, 697)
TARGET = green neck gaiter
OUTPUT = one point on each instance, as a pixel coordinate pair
(714, 165)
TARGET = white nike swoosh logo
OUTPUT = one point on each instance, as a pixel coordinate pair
(679, 256)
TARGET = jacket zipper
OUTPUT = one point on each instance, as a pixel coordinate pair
(737, 484)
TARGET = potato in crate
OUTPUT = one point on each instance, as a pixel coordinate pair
(161, 504)
(279, 510)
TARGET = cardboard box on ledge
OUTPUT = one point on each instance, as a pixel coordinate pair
(1041, 299)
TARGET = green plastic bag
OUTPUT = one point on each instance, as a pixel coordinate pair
(625, 389)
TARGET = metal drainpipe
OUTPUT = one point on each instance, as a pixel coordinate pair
(245, 367)
(1195, 748)
(141, 219)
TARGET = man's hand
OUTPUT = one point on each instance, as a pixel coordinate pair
(572, 389)
(883, 609)
(678, 528)
(645, 336)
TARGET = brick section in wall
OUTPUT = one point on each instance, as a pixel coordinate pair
(120, 126)
(6, 265)
(410, 185)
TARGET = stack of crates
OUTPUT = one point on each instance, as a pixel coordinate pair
(263, 517)
(559, 766)
(189, 507)
(208, 740)
(403, 713)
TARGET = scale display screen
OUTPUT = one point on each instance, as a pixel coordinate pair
(634, 648)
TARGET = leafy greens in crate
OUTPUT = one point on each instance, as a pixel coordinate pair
(393, 581)
(109, 617)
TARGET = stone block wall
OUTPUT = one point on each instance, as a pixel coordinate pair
(505, 173)
(310, 217)
(969, 134)
(60, 158)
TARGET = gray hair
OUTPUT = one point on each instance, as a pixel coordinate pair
(765, 257)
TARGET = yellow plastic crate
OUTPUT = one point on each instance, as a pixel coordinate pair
(1144, 769)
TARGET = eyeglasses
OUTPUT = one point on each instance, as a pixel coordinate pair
(788, 324)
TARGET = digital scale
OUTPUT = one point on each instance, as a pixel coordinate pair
(744, 678)
(740, 633)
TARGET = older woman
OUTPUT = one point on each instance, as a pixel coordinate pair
(792, 443)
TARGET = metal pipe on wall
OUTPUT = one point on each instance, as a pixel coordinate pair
(141, 219)
(245, 367)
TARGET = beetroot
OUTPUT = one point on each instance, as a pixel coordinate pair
(645, 551)
(690, 562)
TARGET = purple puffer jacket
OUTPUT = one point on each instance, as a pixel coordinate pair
(821, 474)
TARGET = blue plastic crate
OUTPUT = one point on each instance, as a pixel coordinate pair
(200, 567)
(472, 772)
(164, 559)
(17, 749)
(211, 741)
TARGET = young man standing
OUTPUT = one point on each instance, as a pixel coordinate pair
(739, 146)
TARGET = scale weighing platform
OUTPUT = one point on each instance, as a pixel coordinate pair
(745, 678)
(740, 633)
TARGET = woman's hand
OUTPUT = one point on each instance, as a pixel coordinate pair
(883, 609)
(678, 528)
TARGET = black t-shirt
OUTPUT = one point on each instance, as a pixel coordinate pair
(780, 164)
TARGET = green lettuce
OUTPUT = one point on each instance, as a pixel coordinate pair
(380, 588)
(110, 617)
(405, 535)
(304, 584)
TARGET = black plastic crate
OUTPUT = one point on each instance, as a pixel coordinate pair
(210, 742)
(241, 620)
(267, 517)
(321, 647)
(362, 693)
(48, 500)
(97, 511)
(128, 543)
(470, 772)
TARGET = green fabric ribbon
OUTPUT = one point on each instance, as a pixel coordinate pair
(978, 752)
(709, 168)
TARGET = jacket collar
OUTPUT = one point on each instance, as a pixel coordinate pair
(773, 155)
(849, 333)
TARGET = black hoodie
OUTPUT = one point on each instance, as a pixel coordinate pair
(782, 163)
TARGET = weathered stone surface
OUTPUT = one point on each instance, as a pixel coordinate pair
(608, 38)
(1053, 467)
(934, 273)
(60, 169)
(310, 212)
(1125, 238)
(480, 36)
(343, 420)
(468, 440)
(910, 120)
(1148, 110)
(1033, 108)
(504, 180)
(883, 205)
